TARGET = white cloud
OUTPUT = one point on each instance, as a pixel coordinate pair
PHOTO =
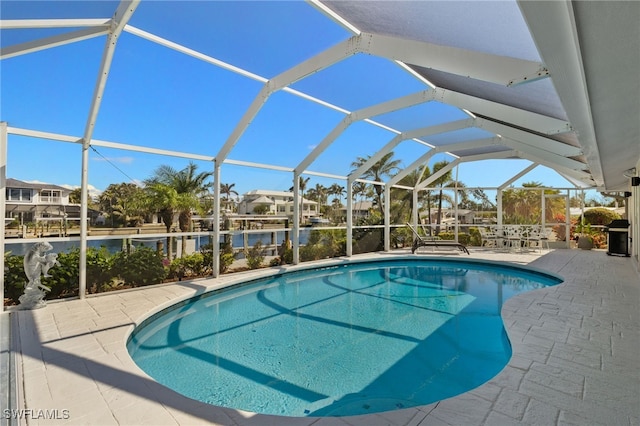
(311, 147)
(93, 191)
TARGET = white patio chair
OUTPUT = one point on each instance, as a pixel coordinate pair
(513, 235)
(533, 237)
(489, 237)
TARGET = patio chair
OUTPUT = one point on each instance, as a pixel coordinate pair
(534, 238)
(514, 237)
(488, 237)
(545, 235)
(420, 241)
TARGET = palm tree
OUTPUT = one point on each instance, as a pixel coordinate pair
(446, 181)
(404, 199)
(188, 185)
(337, 190)
(524, 205)
(165, 201)
(441, 182)
(123, 202)
(226, 190)
(318, 193)
(303, 186)
(385, 167)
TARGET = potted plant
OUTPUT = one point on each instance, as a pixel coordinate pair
(585, 241)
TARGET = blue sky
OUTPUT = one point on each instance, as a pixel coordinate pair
(160, 98)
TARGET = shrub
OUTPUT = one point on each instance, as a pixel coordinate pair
(99, 274)
(368, 240)
(65, 278)
(226, 258)
(600, 216)
(255, 255)
(401, 237)
(143, 266)
(14, 277)
(463, 238)
(324, 244)
(475, 239)
(188, 266)
(275, 262)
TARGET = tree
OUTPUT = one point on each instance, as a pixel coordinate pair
(441, 182)
(261, 209)
(524, 205)
(124, 202)
(188, 185)
(337, 190)
(226, 190)
(385, 167)
(303, 186)
(75, 196)
(165, 201)
(403, 206)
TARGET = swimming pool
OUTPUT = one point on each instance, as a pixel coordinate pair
(342, 340)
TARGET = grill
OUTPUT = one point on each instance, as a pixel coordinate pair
(618, 237)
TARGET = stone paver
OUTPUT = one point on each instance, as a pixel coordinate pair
(576, 357)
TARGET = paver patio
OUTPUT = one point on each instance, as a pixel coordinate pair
(576, 357)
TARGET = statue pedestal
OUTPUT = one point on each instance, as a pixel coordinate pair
(32, 299)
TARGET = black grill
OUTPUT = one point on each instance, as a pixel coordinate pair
(618, 237)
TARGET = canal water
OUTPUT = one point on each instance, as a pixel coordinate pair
(114, 245)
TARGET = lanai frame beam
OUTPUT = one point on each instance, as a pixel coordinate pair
(123, 13)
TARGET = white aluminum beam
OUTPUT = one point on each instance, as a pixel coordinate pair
(490, 156)
(468, 63)
(417, 163)
(325, 175)
(216, 219)
(518, 176)
(325, 143)
(537, 141)
(43, 135)
(310, 66)
(13, 24)
(244, 122)
(3, 201)
(394, 104)
(49, 42)
(451, 165)
(349, 219)
(334, 16)
(577, 174)
(437, 175)
(472, 144)
(316, 63)
(362, 114)
(122, 15)
(516, 116)
(147, 150)
(425, 131)
(193, 53)
(553, 28)
(257, 165)
(549, 157)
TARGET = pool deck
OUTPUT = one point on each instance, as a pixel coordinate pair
(576, 356)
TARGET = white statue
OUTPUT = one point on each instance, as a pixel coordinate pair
(36, 263)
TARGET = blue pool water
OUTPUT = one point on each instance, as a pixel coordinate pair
(338, 341)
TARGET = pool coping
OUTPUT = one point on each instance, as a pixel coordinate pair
(556, 354)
